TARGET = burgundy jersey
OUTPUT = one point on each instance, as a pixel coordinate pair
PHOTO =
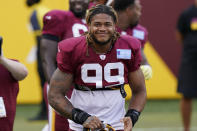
(91, 4)
(9, 88)
(138, 32)
(63, 24)
(99, 70)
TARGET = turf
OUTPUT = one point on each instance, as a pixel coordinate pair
(23, 113)
(158, 115)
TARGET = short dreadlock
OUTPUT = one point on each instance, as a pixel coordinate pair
(99, 9)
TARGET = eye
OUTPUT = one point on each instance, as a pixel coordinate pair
(108, 24)
(97, 24)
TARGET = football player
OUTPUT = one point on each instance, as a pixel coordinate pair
(59, 25)
(129, 12)
(36, 24)
(98, 64)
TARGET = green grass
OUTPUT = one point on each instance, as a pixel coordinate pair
(164, 115)
(158, 115)
(23, 113)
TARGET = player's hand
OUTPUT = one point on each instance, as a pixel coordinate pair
(128, 125)
(1, 41)
(93, 123)
(147, 71)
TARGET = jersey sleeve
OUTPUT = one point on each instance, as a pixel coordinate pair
(135, 62)
(140, 33)
(53, 23)
(145, 38)
(64, 55)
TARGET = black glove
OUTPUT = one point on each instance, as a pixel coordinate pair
(1, 41)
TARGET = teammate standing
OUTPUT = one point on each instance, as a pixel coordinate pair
(99, 64)
(59, 25)
(36, 24)
(129, 12)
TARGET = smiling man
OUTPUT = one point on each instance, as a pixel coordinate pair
(98, 64)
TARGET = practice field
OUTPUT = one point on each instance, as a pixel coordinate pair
(158, 115)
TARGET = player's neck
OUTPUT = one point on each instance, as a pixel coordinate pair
(101, 49)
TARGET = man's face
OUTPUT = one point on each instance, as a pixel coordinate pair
(79, 7)
(134, 13)
(101, 28)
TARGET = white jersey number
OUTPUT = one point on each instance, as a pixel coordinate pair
(76, 29)
(98, 78)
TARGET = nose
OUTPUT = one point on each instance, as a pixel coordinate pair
(102, 28)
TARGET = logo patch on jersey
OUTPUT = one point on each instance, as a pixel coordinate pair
(123, 33)
(102, 57)
(48, 17)
(138, 34)
(123, 54)
(83, 21)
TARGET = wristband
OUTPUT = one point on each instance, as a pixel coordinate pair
(79, 116)
(133, 114)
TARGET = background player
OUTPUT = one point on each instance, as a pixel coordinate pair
(11, 72)
(99, 64)
(129, 12)
(59, 25)
(36, 24)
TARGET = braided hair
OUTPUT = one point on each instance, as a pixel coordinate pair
(98, 9)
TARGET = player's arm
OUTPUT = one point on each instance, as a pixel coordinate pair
(59, 86)
(49, 41)
(137, 84)
(145, 66)
(18, 70)
(144, 59)
(138, 99)
(48, 50)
